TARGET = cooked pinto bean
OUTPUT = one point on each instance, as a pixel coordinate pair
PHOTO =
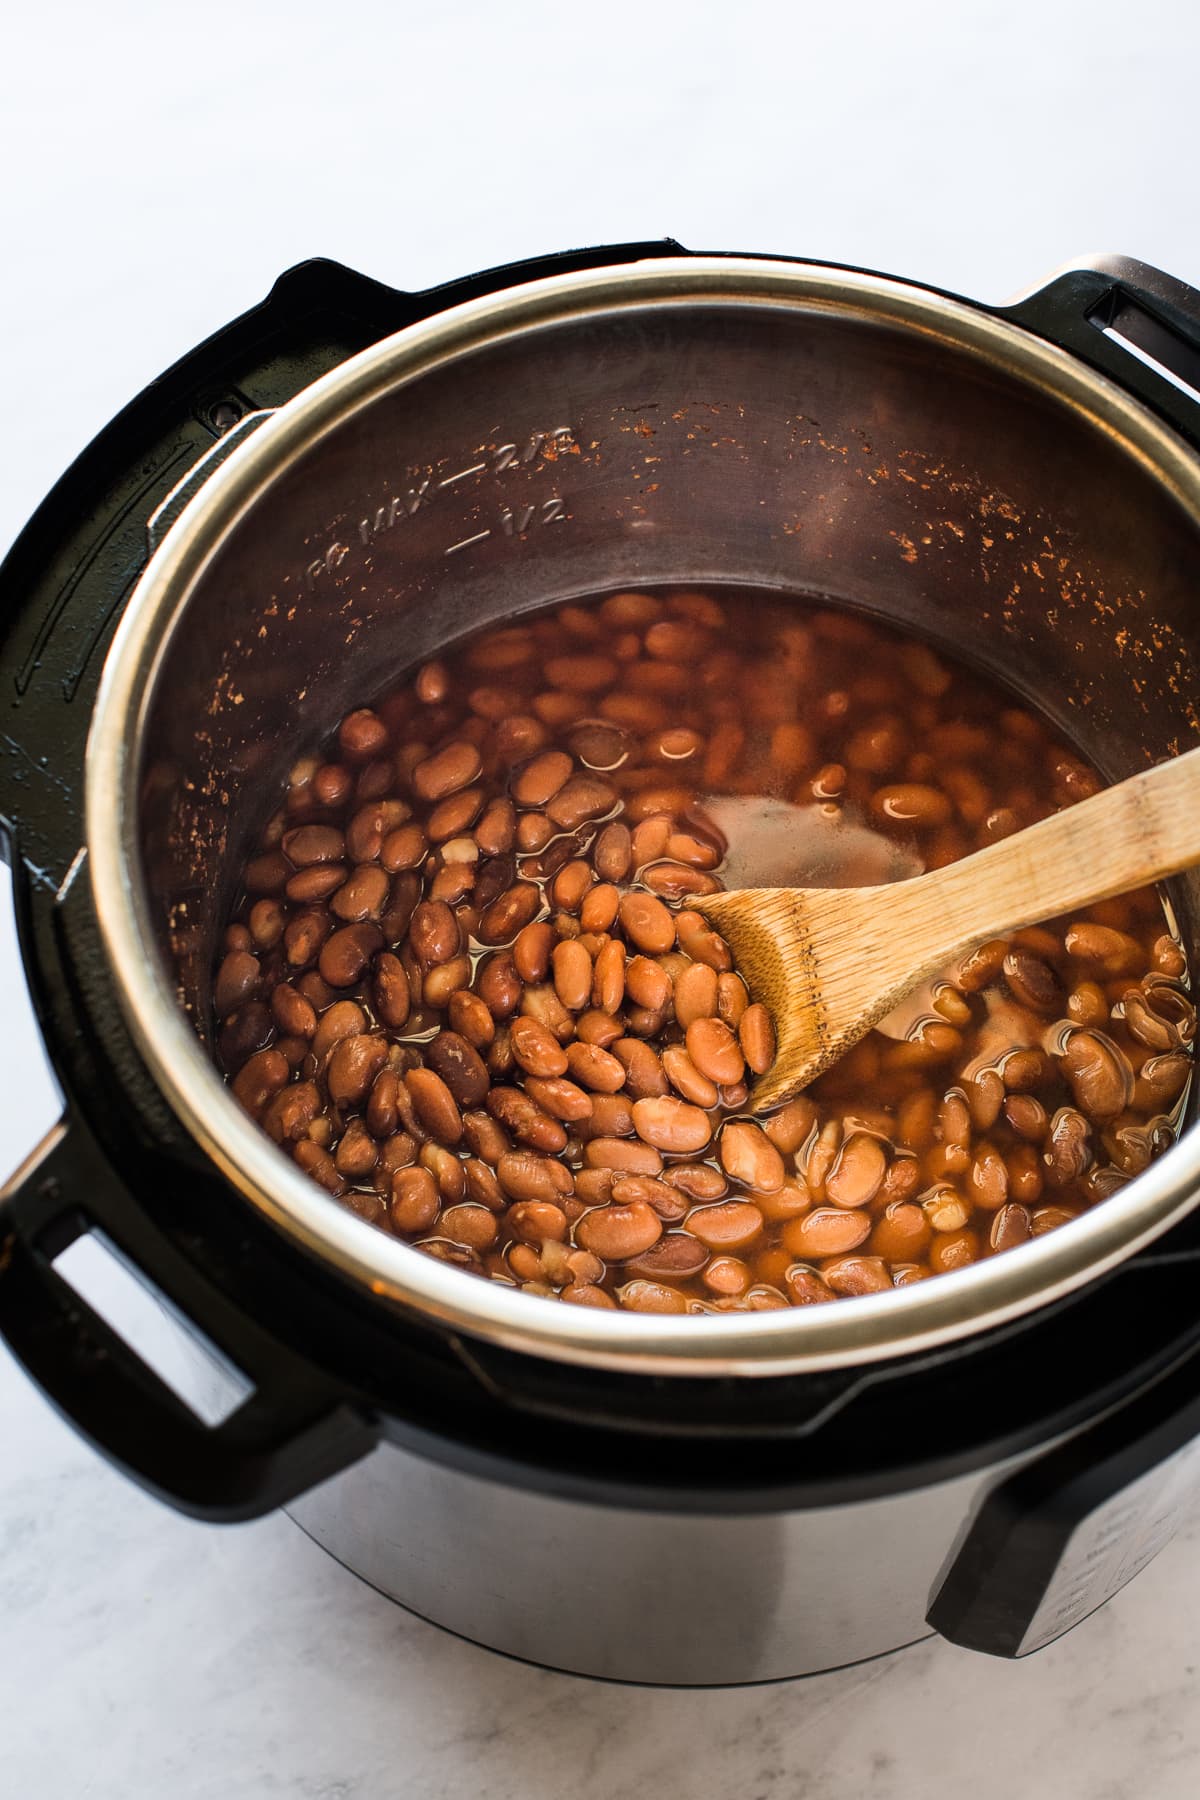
(715, 1051)
(858, 1173)
(729, 1225)
(671, 1125)
(435, 1105)
(453, 768)
(353, 1066)
(460, 1067)
(647, 923)
(507, 794)
(615, 1233)
(508, 915)
(748, 1155)
(237, 980)
(756, 1035)
(526, 1120)
(541, 779)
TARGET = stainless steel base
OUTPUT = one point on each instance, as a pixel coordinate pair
(640, 1596)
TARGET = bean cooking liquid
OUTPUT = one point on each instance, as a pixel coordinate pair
(465, 991)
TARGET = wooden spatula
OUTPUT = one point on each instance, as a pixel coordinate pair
(828, 963)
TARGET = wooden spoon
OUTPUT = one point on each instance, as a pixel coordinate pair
(828, 963)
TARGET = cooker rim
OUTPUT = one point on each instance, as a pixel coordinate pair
(875, 1327)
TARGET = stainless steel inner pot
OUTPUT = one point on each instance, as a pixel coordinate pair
(717, 420)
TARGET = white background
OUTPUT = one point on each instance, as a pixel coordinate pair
(158, 168)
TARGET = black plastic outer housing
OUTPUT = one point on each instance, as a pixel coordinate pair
(333, 1371)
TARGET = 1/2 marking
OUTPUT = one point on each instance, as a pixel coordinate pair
(515, 523)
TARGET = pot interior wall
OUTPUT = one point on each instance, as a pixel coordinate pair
(793, 447)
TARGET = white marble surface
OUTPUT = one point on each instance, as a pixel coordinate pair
(160, 168)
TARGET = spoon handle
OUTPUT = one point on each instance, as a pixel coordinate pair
(1126, 836)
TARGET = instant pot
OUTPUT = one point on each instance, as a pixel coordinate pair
(328, 490)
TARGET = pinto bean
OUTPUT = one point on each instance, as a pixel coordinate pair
(756, 1036)
(686, 1078)
(237, 981)
(645, 1078)
(826, 1231)
(572, 974)
(677, 1256)
(715, 1051)
(526, 1120)
(259, 1079)
(460, 1067)
(1098, 1073)
(593, 1068)
(433, 933)
(619, 1154)
(288, 1116)
(617, 1232)
(346, 953)
(1010, 1226)
(583, 797)
(1068, 1149)
(748, 1155)
(914, 804)
(857, 1175)
(455, 767)
(353, 1066)
(436, 1107)
(727, 1225)
(536, 1049)
(647, 923)
(542, 778)
(508, 915)
(671, 1125)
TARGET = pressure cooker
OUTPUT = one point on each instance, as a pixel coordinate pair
(330, 489)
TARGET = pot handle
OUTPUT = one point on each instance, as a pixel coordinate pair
(1132, 322)
(1059, 1537)
(293, 1428)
